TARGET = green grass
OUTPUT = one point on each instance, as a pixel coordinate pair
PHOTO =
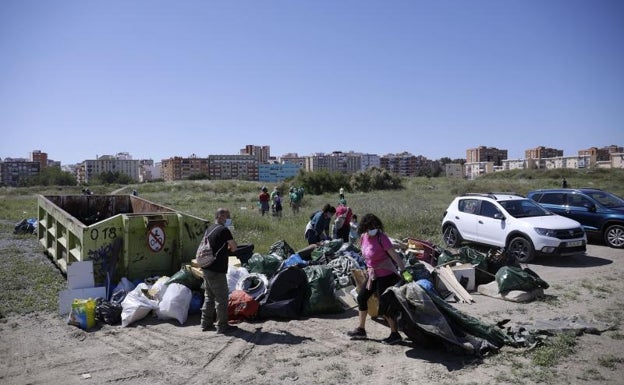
(554, 350)
(28, 283)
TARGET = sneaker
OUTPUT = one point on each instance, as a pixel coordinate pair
(208, 328)
(357, 334)
(392, 339)
(227, 329)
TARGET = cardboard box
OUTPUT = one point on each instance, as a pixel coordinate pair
(461, 270)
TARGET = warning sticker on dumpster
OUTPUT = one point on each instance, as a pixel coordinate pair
(156, 238)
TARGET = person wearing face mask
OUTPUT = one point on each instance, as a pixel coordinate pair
(215, 279)
(383, 265)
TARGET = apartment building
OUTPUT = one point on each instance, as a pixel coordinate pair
(261, 153)
(403, 164)
(486, 154)
(602, 154)
(243, 167)
(41, 157)
(178, 168)
(337, 161)
(276, 172)
(91, 168)
(15, 171)
(542, 152)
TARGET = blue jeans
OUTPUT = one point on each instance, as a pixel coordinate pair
(215, 299)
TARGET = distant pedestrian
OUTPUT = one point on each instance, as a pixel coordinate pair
(277, 204)
(295, 200)
(341, 197)
(564, 183)
(353, 232)
(272, 199)
(263, 199)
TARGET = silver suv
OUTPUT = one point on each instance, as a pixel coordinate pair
(510, 221)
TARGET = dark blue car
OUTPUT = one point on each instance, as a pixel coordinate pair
(600, 212)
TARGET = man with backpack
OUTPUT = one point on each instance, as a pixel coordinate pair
(215, 276)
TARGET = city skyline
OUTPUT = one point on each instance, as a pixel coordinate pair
(157, 79)
(125, 154)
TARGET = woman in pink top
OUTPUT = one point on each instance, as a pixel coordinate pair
(384, 266)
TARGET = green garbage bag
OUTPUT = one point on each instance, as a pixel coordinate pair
(479, 261)
(327, 249)
(515, 278)
(322, 299)
(281, 248)
(264, 264)
(469, 255)
(185, 277)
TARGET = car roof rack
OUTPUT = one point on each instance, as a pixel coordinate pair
(493, 194)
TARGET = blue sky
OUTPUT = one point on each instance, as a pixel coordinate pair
(174, 78)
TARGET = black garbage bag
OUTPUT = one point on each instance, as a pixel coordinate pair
(108, 312)
(515, 278)
(25, 226)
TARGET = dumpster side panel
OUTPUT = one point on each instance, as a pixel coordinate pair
(103, 244)
(60, 234)
(151, 245)
(191, 232)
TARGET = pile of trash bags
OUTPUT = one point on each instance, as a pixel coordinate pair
(285, 284)
(280, 284)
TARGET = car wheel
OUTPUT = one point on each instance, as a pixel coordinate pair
(614, 236)
(451, 236)
(521, 249)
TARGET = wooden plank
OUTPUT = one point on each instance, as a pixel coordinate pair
(450, 281)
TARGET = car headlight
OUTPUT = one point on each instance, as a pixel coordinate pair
(545, 232)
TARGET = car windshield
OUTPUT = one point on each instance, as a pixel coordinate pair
(607, 199)
(522, 208)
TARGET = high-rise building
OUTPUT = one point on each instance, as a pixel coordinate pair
(262, 153)
(41, 157)
(91, 168)
(486, 154)
(542, 152)
(178, 168)
(601, 154)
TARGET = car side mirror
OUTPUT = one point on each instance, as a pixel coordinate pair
(499, 216)
(590, 207)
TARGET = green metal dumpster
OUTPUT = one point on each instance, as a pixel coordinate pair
(124, 235)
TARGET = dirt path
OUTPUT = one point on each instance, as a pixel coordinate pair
(43, 349)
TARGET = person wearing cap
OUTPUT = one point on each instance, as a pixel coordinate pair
(215, 276)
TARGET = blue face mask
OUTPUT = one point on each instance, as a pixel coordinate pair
(228, 222)
(372, 232)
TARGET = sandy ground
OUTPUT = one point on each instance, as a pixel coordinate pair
(43, 349)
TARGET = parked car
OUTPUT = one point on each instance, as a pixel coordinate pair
(510, 221)
(599, 212)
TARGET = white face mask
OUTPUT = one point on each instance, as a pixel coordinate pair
(228, 222)
(372, 233)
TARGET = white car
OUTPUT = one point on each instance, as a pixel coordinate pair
(506, 220)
